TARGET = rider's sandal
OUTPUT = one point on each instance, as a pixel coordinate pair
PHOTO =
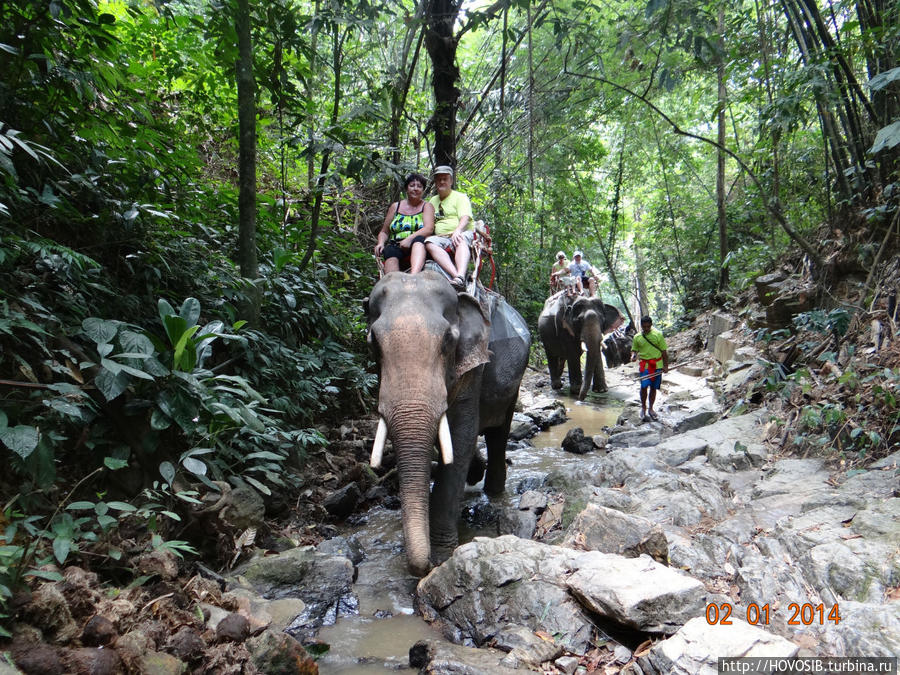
(458, 283)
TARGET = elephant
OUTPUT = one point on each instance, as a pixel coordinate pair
(564, 324)
(449, 369)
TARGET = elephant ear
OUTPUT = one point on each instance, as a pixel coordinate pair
(564, 316)
(612, 318)
(474, 330)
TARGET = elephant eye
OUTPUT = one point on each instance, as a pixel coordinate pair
(448, 344)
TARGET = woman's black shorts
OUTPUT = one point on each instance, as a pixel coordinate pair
(392, 248)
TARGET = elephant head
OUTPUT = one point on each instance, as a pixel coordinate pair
(431, 344)
(591, 320)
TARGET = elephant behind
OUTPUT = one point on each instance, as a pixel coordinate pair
(447, 372)
(564, 324)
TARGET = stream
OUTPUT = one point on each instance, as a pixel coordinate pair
(378, 639)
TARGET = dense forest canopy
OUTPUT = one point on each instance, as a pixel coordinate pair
(190, 193)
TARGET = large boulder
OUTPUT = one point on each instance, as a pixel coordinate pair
(598, 528)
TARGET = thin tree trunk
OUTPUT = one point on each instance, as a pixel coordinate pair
(720, 157)
(441, 43)
(403, 80)
(246, 145)
(530, 110)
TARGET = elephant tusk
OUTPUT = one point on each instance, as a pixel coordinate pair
(378, 445)
(444, 440)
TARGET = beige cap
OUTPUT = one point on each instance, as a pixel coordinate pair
(443, 168)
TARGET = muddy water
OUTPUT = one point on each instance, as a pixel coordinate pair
(379, 638)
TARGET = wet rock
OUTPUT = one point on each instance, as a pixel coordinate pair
(636, 438)
(545, 412)
(160, 562)
(341, 503)
(694, 649)
(186, 644)
(638, 592)
(49, 611)
(38, 659)
(566, 664)
(598, 528)
(526, 647)
(533, 500)
(576, 443)
(522, 427)
(342, 546)
(432, 657)
(233, 628)
(279, 653)
(93, 661)
(517, 522)
(489, 583)
(98, 631)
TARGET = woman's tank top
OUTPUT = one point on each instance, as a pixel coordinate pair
(404, 224)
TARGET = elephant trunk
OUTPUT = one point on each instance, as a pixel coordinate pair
(413, 432)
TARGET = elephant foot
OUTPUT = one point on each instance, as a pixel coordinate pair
(476, 469)
(600, 390)
(556, 385)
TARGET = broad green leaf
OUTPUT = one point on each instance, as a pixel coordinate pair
(888, 137)
(21, 439)
(159, 420)
(111, 385)
(265, 454)
(175, 327)
(167, 471)
(101, 508)
(61, 548)
(165, 309)
(881, 80)
(136, 343)
(80, 506)
(64, 407)
(100, 331)
(114, 464)
(122, 506)
(190, 311)
(259, 486)
(195, 466)
(49, 575)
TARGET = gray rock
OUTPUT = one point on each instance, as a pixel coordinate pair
(638, 592)
(433, 657)
(489, 583)
(738, 456)
(517, 522)
(341, 503)
(522, 427)
(323, 582)
(694, 649)
(638, 438)
(575, 442)
(533, 500)
(342, 546)
(698, 419)
(679, 449)
(526, 647)
(872, 629)
(598, 528)
(566, 664)
(273, 652)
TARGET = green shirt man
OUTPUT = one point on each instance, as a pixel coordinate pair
(649, 346)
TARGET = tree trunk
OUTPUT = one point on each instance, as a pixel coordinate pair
(246, 86)
(441, 43)
(720, 157)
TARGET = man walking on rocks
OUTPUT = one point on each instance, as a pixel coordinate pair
(649, 346)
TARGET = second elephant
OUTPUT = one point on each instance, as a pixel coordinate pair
(564, 324)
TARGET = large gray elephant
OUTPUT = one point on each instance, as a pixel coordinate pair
(450, 369)
(564, 324)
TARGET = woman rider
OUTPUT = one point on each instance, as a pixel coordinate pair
(401, 239)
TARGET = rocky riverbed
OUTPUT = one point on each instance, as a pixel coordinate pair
(643, 547)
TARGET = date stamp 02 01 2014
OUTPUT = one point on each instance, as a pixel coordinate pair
(805, 614)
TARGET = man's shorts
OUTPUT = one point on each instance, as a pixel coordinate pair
(446, 243)
(648, 380)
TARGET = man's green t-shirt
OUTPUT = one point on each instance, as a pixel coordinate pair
(448, 212)
(649, 347)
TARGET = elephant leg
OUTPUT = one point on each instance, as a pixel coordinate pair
(574, 360)
(496, 438)
(449, 482)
